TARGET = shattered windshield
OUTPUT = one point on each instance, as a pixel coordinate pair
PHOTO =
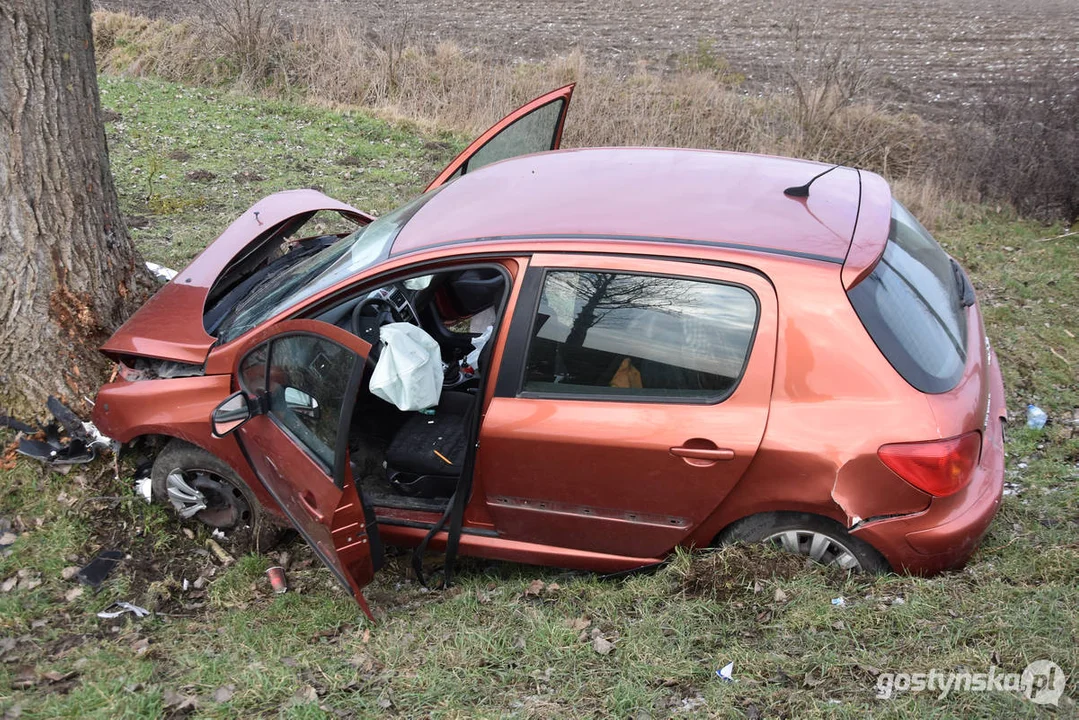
(298, 282)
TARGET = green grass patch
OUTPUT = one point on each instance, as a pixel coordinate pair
(187, 161)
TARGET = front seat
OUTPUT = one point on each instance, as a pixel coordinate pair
(476, 289)
(425, 458)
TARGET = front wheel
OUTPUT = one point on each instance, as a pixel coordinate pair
(816, 537)
(199, 485)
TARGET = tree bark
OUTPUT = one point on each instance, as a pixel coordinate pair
(70, 273)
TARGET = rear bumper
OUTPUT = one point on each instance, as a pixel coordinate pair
(946, 534)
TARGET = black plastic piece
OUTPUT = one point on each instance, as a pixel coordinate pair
(73, 453)
(95, 571)
(803, 190)
(76, 449)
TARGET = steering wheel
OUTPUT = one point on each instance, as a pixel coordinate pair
(368, 316)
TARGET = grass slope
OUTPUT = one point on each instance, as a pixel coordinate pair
(500, 643)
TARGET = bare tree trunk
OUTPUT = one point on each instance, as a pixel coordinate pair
(69, 273)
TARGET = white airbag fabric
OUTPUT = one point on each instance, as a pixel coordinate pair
(408, 373)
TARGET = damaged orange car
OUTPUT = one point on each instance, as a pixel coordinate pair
(581, 358)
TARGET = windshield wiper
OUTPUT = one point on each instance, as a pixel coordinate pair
(247, 291)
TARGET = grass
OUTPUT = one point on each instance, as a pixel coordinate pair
(189, 160)
(490, 647)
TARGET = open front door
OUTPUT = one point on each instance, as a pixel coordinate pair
(535, 127)
(300, 380)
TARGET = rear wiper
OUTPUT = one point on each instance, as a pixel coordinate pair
(966, 290)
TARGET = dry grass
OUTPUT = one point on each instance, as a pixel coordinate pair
(334, 58)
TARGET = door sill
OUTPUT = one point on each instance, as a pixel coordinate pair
(402, 522)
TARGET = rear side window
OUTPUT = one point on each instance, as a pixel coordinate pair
(636, 337)
(911, 306)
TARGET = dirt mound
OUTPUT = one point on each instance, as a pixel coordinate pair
(738, 570)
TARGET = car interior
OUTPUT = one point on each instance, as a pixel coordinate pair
(414, 459)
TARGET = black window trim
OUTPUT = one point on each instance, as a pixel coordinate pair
(540, 238)
(510, 382)
(336, 474)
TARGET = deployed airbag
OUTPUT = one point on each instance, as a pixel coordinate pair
(408, 373)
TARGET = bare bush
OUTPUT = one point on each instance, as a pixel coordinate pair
(825, 77)
(252, 29)
(1025, 149)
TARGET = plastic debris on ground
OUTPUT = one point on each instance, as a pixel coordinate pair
(1036, 417)
(726, 673)
(94, 572)
(161, 272)
(67, 440)
(839, 602)
(125, 607)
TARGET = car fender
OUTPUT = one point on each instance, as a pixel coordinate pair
(181, 408)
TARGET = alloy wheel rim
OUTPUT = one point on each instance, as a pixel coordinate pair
(817, 546)
(206, 496)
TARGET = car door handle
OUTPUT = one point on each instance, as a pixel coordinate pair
(308, 500)
(698, 453)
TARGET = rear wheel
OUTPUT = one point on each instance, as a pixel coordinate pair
(816, 537)
(200, 486)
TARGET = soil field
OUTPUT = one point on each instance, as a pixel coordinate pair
(937, 55)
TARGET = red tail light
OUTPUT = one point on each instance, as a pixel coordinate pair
(939, 467)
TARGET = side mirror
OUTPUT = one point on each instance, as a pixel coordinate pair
(233, 412)
(301, 403)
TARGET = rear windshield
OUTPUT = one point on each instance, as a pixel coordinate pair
(911, 306)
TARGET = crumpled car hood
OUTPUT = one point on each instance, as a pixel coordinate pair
(170, 325)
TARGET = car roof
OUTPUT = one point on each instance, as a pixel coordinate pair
(689, 196)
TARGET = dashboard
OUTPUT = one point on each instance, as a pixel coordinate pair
(399, 298)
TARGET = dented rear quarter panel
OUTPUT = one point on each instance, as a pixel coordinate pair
(835, 401)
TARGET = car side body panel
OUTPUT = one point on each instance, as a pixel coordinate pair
(557, 469)
(819, 452)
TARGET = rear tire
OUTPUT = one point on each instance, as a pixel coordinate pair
(820, 538)
(200, 486)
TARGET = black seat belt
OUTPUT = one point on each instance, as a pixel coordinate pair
(455, 512)
(455, 509)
